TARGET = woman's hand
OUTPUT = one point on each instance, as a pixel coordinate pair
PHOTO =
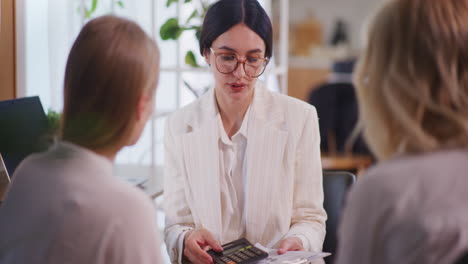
(197, 242)
(290, 244)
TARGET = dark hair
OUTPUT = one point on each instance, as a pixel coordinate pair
(224, 14)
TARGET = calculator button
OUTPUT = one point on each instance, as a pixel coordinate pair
(249, 253)
(225, 259)
(231, 262)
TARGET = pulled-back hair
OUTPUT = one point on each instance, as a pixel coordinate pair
(225, 14)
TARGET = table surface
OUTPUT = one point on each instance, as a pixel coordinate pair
(357, 163)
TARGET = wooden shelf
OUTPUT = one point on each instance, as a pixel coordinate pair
(357, 163)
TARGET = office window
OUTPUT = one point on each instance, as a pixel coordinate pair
(47, 29)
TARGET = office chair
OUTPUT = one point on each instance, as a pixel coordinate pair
(335, 187)
(337, 109)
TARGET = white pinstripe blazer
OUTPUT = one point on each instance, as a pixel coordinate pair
(284, 194)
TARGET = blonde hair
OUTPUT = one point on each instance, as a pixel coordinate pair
(412, 81)
(112, 63)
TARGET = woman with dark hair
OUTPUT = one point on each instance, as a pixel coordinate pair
(241, 161)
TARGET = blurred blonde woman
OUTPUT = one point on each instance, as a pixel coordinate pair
(412, 86)
(64, 205)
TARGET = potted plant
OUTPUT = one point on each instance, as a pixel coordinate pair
(172, 29)
(88, 12)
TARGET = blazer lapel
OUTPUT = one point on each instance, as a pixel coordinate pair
(201, 156)
(264, 161)
(265, 152)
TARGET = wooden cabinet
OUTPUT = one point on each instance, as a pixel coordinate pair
(302, 80)
(7, 50)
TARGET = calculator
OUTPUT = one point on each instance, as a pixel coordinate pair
(240, 251)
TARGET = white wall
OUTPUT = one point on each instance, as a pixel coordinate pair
(353, 12)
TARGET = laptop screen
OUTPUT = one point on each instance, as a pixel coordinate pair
(23, 130)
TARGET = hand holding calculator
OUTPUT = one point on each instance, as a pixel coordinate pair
(240, 251)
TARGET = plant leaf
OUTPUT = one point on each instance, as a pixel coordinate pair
(198, 33)
(178, 33)
(187, 1)
(170, 29)
(191, 60)
(169, 2)
(120, 3)
(93, 6)
(78, 10)
(87, 13)
(205, 6)
(53, 119)
(194, 14)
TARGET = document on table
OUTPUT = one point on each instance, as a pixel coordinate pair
(290, 257)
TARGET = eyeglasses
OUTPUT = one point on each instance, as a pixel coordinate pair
(228, 62)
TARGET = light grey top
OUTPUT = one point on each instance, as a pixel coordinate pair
(409, 210)
(64, 206)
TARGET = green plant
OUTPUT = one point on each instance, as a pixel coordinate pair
(53, 122)
(89, 11)
(172, 28)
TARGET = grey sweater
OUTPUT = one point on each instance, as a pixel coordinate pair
(411, 209)
(64, 206)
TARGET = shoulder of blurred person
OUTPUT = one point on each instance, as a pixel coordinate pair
(69, 194)
(409, 209)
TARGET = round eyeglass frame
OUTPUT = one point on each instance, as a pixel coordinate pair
(265, 63)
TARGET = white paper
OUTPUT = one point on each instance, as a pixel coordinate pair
(290, 257)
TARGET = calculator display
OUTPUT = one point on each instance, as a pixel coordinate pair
(232, 250)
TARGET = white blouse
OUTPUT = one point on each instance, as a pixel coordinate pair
(232, 180)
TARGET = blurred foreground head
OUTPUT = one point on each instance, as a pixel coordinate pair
(110, 80)
(412, 81)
